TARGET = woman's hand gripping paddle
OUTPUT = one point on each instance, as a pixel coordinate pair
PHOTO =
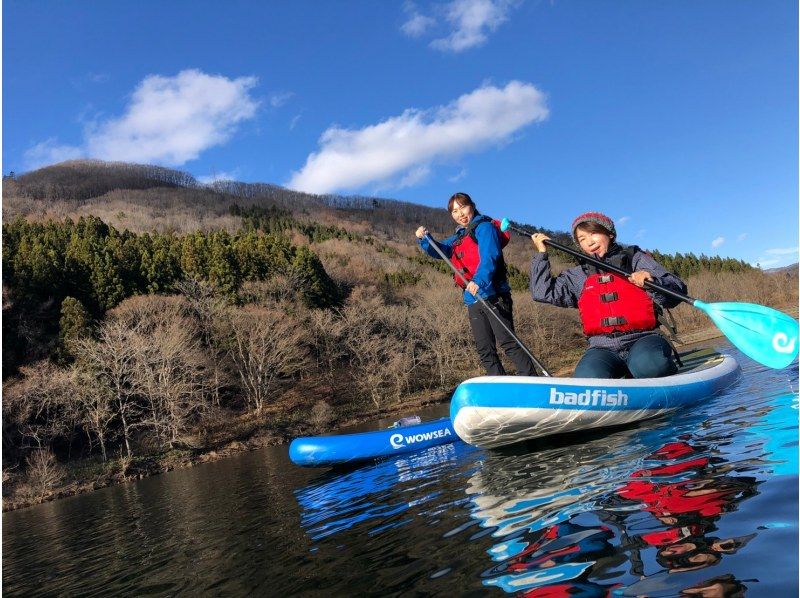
(488, 307)
(766, 335)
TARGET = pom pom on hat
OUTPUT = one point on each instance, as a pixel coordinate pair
(598, 218)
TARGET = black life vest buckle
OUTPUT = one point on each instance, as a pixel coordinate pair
(617, 321)
(609, 297)
(604, 278)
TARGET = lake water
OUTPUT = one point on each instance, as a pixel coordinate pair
(704, 502)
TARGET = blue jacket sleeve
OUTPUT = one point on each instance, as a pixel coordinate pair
(446, 246)
(490, 252)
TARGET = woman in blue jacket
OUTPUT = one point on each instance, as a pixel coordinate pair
(476, 250)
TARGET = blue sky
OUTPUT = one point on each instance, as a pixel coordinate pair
(679, 118)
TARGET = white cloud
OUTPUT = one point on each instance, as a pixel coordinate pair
(717, 242)
(472, 21)
(622, 221)
(169, 120)
(741, 237)
(417, 24)
(351, 158)
(640, 234)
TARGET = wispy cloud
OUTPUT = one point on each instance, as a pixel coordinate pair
(417, 24)
(458, 176)
(741, 237)
(351, 158)
(216, 177)
(294, 121)
(279, 98)
(623, 220)
(782, 251)
(717, 242)
(641, 233)
(415, 176)
(777, 257)
(169, 120)
(49, 152)
(472, 21)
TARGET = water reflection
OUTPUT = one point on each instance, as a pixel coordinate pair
(555, 536)
(380, 491)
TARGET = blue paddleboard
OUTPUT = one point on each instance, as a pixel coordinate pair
(320, 451)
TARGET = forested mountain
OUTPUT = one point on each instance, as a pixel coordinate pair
(88, 187)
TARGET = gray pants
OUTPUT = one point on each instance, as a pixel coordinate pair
(487, 332)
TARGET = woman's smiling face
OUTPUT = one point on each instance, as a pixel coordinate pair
(462, 214)
(592, 243)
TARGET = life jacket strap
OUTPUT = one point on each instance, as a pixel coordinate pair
(608, 297)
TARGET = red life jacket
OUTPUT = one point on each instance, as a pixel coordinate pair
(466, 257)
(609, 303)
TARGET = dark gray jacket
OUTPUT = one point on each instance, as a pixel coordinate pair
(565, 289)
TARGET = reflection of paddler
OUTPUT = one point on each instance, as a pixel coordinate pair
(560, 543)
(705, 497)
(689, 507)
(557, 548)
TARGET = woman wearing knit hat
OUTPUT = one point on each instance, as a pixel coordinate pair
(619, 317)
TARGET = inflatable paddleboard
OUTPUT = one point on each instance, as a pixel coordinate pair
(494, 411)
(321, 451)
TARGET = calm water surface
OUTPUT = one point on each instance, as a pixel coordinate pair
(704, 502)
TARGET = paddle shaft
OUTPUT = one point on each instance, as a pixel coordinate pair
(488, 307)
(608, 267)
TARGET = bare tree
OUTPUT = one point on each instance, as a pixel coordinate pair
(267, 346)
(381, 341)
(43, 474)
(171, 373)
(108, 361)
(94, 403)
(39, 405)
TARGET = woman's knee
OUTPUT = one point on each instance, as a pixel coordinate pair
(651, 357)
(600, 363)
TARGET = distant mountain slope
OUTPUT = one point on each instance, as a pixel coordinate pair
(142, 198)
(790, 269)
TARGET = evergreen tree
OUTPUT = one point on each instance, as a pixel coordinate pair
(74, 324)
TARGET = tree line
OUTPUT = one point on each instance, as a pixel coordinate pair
(98, 266)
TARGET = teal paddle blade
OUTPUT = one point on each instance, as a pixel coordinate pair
(762, 333)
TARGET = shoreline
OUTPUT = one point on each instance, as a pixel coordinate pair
(152, 465)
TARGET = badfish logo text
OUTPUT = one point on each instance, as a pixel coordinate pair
(589, 397)
(399, 440)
